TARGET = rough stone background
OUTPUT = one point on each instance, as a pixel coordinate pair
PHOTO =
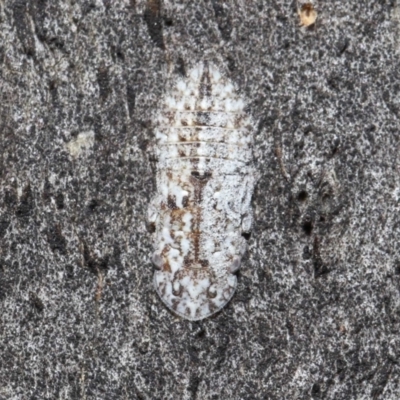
(317, 311)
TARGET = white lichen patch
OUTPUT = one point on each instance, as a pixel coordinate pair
(83, 142)
(205, 179)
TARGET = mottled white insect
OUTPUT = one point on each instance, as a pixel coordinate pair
(205, 179)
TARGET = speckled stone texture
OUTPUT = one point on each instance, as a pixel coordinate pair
(317, 310)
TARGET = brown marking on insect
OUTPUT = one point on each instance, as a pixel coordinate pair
(170, 116)
(167, 267)
(175, 304)
(164, 255)
(151, 227)
(205, 176)
(199, 180)
(178, 213)
(196, 235)
(177, 217)
(237, 122)
(205, 87)
(163, 290)
(308, 14)
(178, 292)
(189, 262)
(181, 153)
(196, 263)
(211, 292)
(186, 262)
(202, 118)
(171, 203)
(197, 270)
(194, 162)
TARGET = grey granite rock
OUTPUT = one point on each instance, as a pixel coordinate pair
(317, 311)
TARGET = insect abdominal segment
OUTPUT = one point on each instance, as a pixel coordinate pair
(205, 179)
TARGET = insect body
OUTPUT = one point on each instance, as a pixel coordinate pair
(205, 180)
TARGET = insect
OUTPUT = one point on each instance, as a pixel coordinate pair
(307, 14)
(201, 212)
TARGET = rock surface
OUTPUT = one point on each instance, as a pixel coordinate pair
(317, 311)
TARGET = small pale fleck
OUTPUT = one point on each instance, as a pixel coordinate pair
(205, 104)
(216, 75)
(181, 86)
(308, 14)
(170, 101)
(195, 74)
(180, 105)
(81, 144)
